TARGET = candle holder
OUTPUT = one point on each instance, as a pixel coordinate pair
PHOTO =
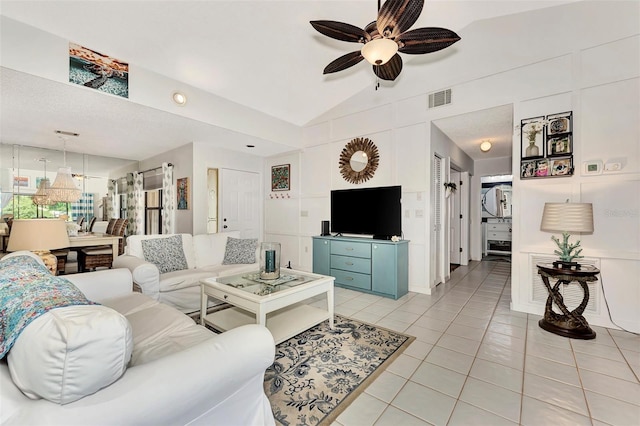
(269, 261)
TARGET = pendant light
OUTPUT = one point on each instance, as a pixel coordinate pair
(64, 189)
(42, 196)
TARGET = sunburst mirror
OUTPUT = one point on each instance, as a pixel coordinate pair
(359, 160)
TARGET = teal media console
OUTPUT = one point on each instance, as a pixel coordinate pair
(373, 266)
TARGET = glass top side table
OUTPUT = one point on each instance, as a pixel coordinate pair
(567, 323)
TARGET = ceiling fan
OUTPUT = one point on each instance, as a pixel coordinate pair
(385, 37)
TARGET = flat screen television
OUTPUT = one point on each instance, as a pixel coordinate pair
(367, 211)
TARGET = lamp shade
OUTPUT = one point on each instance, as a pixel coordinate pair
(64, 188)
(567, 217)
(379, 51)
(41, 197)
(38, 235)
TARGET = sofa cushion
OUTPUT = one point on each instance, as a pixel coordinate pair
(166, 253)
(71, 352)
(209, 248)
(240, 251)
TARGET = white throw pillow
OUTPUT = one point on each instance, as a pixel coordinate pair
(71, 352)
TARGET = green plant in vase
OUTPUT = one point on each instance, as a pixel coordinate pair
(532, 133)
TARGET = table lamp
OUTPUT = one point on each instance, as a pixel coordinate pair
(39, 236)
(568, 218)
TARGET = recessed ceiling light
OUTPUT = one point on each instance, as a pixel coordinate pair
(485, 146)
(179, 98)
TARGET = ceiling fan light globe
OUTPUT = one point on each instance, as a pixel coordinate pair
(379, 51)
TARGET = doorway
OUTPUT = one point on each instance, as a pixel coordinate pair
(239, 199)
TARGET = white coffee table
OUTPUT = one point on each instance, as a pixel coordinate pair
(276, 306)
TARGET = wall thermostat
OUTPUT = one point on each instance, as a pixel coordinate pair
(592, 167)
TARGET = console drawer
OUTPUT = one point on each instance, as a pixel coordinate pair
(352, 264)
(499, 236)
(349, 248)
(499, 227)
(352, 279)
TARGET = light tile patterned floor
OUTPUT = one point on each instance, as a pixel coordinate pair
(475, 362)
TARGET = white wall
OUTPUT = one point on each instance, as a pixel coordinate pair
(592, 73)
(33, 51)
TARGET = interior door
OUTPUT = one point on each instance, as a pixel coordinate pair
(465, 221)
(239, 203)
(454, 220)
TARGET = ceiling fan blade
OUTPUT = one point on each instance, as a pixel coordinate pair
(390, 70)
(426, 40)
(397, 16)
(341, 31)
(343, 62)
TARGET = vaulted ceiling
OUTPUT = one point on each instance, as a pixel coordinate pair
(261, 54)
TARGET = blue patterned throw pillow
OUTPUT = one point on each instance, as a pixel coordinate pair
(240, 251)
(166, 253)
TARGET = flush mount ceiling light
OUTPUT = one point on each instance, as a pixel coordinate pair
(485, 146)
(179, 98)
(385, 37)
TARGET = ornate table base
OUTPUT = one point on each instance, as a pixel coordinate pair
(569, 323)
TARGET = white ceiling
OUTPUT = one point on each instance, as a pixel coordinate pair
(261, 54)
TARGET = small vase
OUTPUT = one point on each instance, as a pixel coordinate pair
(532, 150)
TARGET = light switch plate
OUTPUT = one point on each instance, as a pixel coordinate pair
(613, 167)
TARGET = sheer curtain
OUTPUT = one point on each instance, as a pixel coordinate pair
(135, 204)
(168, 200)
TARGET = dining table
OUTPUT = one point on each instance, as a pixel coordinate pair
(92, 239)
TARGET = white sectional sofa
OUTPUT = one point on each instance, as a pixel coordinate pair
(204, 255)
(178, 373)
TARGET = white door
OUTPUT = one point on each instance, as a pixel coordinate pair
(465, 222)
(240, 202)
(454, 220)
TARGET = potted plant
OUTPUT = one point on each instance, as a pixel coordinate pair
(450, 188)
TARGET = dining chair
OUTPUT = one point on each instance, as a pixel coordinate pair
(90, 258)
(92, 222)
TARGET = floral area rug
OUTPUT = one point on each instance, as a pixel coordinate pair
(319, 372)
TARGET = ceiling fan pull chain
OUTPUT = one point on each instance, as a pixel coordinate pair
(377, 82)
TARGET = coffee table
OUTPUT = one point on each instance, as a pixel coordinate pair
(275, 304)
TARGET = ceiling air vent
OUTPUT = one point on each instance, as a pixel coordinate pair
(440, 98)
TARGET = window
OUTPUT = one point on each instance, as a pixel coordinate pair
(22, 207)
(153, 212)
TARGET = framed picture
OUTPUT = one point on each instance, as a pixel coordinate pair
(542, 168)
(100, 72)
(22, 181)
(559, 145)
(528, 169)
(532, 137)
(561, 166)
(182, 193)
(281, 177)
(559, 123)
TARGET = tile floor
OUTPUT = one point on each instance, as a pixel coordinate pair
(475, 362)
